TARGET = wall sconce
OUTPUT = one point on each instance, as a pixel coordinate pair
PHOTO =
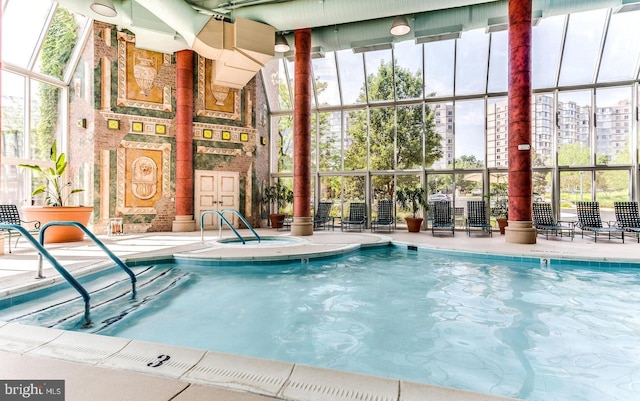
(104, 8)
(263, 140)
(281, 45)
(400, 26)
(82, 123)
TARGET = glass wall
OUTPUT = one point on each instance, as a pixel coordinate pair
(438, 113)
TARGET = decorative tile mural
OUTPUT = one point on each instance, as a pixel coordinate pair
(143, 176)
(137, 73)
(214, 100)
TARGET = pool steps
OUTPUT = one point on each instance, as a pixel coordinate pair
(110, 303)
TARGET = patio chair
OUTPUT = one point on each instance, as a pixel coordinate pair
(477, 219)
(627, 217)
(357, 217)
(545, 223)
(9, 214)
(322, 218)
(385, 218)
(589, 221)
(443, 218)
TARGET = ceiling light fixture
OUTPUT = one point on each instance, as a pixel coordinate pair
(281, 45)
(400, 26)
(104, 8)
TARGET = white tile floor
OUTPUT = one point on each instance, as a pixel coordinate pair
(105, 368)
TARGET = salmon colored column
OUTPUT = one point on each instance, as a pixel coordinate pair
(184, 142)
(520, 228)
(302, 224)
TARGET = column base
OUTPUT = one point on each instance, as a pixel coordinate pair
(302, 226)
(183, 224)
(520, 232)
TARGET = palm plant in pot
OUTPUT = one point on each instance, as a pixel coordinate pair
(279, 196)
(412, 198)
(57, 194)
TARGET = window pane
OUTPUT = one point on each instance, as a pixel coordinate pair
(613, 126)
(19, 39)
(353, 190)
(46, 107)
(271, 77)
(442, 118)
(542, 123)
(584, 35)
(499, 62)
(541, 182)
(326, 80)
(283, 126)
(469, 133)
(381, 130)
(409, 137)
(574, 111)
(546, 46)
(355, 140)
(329, 141)
(497, 132)
(408, 70)
(13, 138)
(351, 70)
(620, 53)
(379, 75)
(407, 181)
(471, 62)
(575, 186)
(438, 64)
(611, 186)
(59, 42)
(331, 189)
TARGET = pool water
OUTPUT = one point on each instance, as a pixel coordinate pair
(515, 329)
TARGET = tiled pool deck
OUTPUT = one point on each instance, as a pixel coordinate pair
(105, 368)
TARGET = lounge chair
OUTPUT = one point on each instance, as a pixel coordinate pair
(545, 223)
(627, 217)
(9, 214)
(322, 218)
(385, 218)
(357, 217)
(443, 218)
(589, 221)
(477, 219)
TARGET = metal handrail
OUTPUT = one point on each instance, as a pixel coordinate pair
(222, 218)
(63, 272)
(96, 241)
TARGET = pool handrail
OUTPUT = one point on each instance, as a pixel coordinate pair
(246, 223)
(221, 219)
(96, 241)
(42, 252)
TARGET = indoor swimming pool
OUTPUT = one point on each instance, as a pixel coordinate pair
(518, 327)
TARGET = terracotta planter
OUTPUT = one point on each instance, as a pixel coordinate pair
(276, 220)
(414, 224)
(502, 223)
(46, 214)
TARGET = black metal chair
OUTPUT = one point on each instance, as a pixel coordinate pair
(322, 219)
(9, 214)
(545, 223)
(385, 218)
(357, 217)
(627, 217)
(477, 219)
(443, 219)
(589, 221)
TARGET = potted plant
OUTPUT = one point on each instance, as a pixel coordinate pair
(500, 204)
(412, 198)
(57, 194)
(279, 196)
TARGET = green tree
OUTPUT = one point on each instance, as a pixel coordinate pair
(395, 134)
(56, 52)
